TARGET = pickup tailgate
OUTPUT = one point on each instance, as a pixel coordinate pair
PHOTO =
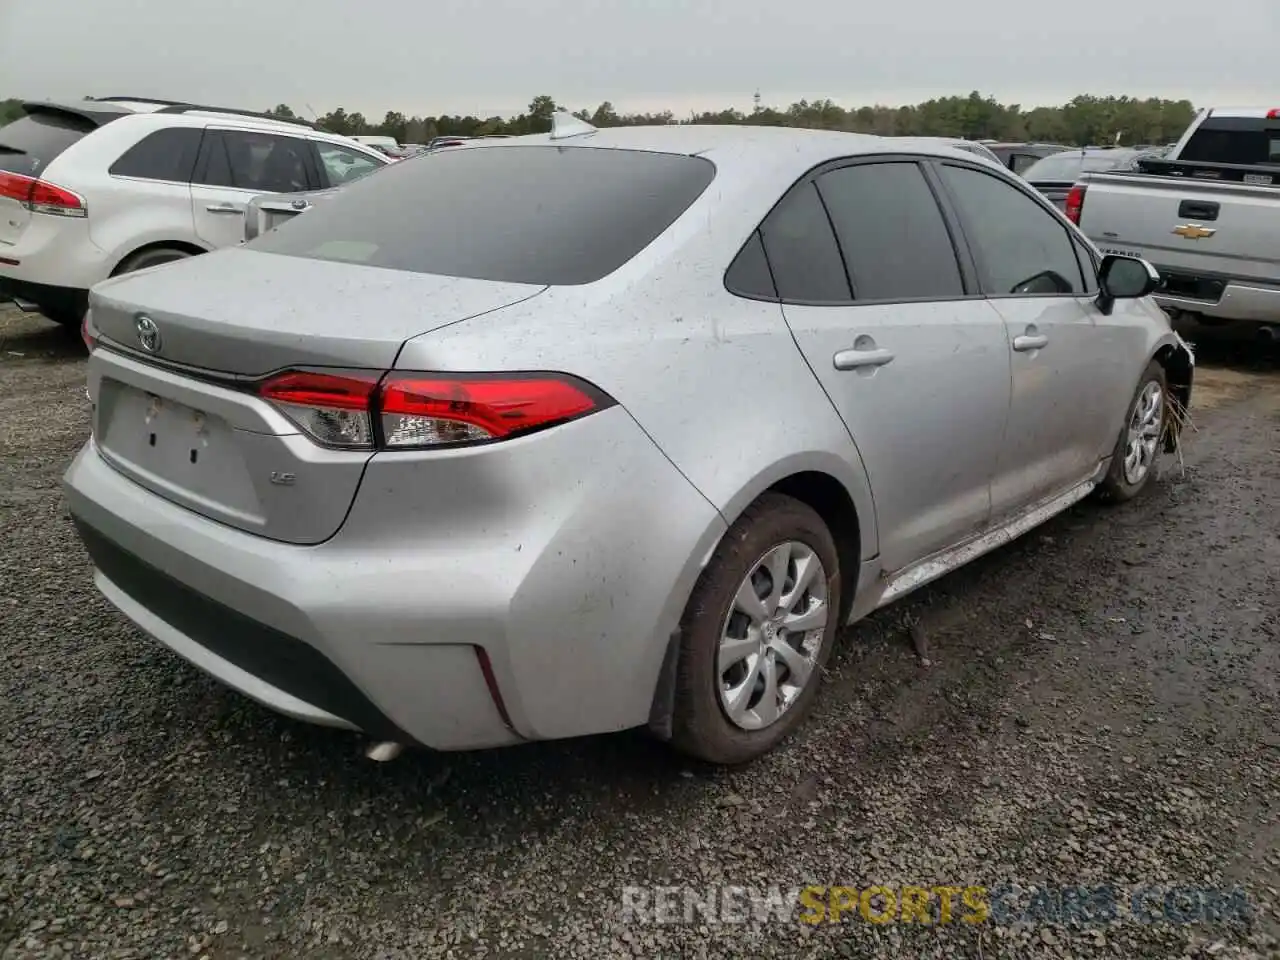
(1186, 225)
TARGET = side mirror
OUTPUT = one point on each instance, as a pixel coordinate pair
(1124, 278)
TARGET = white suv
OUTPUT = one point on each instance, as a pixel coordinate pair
(100, 187)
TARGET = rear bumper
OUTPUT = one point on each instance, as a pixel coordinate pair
(56, 253)
(571, 598)
(1219, 297)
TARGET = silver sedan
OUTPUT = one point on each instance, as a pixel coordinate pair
(571, 433)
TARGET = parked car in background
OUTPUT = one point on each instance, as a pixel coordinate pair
(1055, 175)
(1206, 214)
(1020, 156)
(678, 404)
(95, 188)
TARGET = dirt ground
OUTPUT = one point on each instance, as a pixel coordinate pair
(1102, 709)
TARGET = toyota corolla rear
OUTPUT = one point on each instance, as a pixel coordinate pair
(457, 557)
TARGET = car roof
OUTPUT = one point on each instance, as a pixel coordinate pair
(737, 145)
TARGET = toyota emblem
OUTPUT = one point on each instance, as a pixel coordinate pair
(148, 333)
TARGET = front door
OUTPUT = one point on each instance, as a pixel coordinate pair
(873, 291)
(1030, 270)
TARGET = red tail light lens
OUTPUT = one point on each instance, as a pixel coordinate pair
(333, 409)
(41, 197)
(415, 411)
(1273, 114)
(85, 335)
(424, 411)
(1075, 203)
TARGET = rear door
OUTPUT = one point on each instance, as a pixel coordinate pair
(27, 146)
(236, 165)
(879, 300)
(1060, 360)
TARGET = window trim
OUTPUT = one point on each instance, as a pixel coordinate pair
(213, 134)
(195, 162)
(969, 277)
(1036, 197)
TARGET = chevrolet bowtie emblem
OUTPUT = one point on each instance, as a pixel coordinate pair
(1193, 231)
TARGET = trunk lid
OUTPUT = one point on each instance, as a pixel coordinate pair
(241, 312)
(202, 438)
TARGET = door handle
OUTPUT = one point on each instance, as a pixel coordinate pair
(856, 359)
(1029, 341)
(224, 208)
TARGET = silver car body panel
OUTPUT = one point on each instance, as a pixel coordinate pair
(567, 556)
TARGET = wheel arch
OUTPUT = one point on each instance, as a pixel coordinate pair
(849, 517)
(184, 245)
(1178, 362)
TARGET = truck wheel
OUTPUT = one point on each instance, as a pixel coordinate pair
(757, 632)
(1133, 461)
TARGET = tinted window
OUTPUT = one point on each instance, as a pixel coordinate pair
(749, 276)
(802, 249)
(1022, 248)
(342, 165)
(163, 155)
(1234, 140)
(264, 162)
(546, 215)
(892, 234)
(30, 143)
(1069, 166)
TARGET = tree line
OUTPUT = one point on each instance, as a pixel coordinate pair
(1083, 120)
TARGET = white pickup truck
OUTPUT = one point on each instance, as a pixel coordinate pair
(1206, 215)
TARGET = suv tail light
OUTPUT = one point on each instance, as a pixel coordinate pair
(1273, 114)
(39, 196)
(85, 335)
(417, 411)
(1075, 203)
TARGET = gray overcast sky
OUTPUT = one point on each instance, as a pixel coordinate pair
(491, 56)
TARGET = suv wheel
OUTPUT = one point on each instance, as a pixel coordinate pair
(150, 258)
(757, 633)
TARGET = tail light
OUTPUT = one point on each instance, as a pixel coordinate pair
(85, 335)
(39, 196)
(1075, 203)
(1273, 114)
(418, 411)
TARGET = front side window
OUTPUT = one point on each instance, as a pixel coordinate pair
(1022, 248)
(891, 232)
(342, 165)
(262, 162)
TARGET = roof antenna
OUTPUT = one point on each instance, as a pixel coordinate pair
(565, 124)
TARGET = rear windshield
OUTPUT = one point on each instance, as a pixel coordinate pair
(1069, 166)
(30, 143)
(536, 214)
(1234, 140)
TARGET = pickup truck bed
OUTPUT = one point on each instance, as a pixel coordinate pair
(1215, 243)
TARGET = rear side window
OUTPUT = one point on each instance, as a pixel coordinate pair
(802, 249)
(891, 232)
(748, 275)
(543, 214)
(31, 143)
(263, 162)
(1237, 140)
(163, 155)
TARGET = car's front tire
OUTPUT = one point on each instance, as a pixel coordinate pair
(1133, 461)
(756, 633)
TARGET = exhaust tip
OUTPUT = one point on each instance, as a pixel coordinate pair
(384, 751)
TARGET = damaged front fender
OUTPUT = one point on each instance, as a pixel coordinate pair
(1179, 362)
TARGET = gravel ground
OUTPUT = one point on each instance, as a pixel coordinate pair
(1101, 707)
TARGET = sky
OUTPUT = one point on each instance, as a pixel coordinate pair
(490, 57)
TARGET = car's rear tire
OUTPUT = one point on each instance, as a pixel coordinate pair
(1133, 461)
(150, 258)
(749, 669)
